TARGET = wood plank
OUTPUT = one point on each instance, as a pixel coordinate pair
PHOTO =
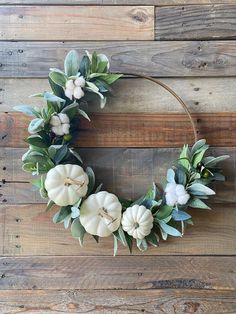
(30, 231)
(169, 59)
(114, 2)
(126, 301)
(131, 272)
(126, 172)
(66, 23)
(200, 94)
(193, 22)
(133, 130)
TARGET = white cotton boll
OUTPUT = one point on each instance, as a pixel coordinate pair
(78, 92)
(65, 128)
(182, 200)
(170, 187)
(69, 93)
(64, 118)
(55, 121)
(70, 84)
(171, 199)
(57, 130)
(180, 190)
(80, 81)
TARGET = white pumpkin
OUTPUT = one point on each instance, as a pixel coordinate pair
(137, 221)
(65, 184)
(100, 214)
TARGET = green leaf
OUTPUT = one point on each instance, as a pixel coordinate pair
(197, 203)
(58, 78)
(77, 230)
(71, 64)
(151, 193)
(170, 175)
(199, 156)
(142, 244)
(153, 239)
(170, 230)
(180, 215)
(71, 110)
(28, 110)
(84, 66)
(91, 177)
(29, 167)
(60, 154)
(184, 157)
(36, 125)
(94, 62)
(196, 188)
(181, 177)
(57, 89)
(216, 160)
(164, 212)
(120, 235)
(111, 78)
(115, 245)
(84, 114)
(63, 213)
(38, 141)
(197, 146)
(50, 204)
(76, 155)
(52, 98)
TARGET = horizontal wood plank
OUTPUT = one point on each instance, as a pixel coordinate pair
(125, 172)
(217, 21)
(70, 23)
(136, 95)
(126, 301)
(30, 231)
(114, 2)
(133, 130)
(162, 59)
(132, 272)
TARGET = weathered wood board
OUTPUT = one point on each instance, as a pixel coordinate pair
(135, 95)
(133, 130)
(162, 59)
(196, 22)
(130, 272)
(126, 172)
(29, 231)
(119, 302)
(76, 23)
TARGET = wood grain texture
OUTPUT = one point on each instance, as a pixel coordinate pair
(30, 231)
(132, 130)
(162, 59)
(131, 272)
(125, 172)
(115, 2)
(136, 95)
(76, 23)
(217, 21)
(119, 302)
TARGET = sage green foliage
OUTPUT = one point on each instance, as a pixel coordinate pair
(194, 170)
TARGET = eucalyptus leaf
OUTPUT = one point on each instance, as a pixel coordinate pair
(36, 125)
(28, 110)
(76, 155)
(170, 176)
(84, 114)
(77, 230)
(111, 78)
(71, 110)
(63, 213)
(198, 145)
(84, 66)
(196, 188)
(115, 245)
(216, 160)
(197, 203)
(60, 154)
(170, 230)
(153, 239)
(91, 177)
(50, 204)
(164, 212)
(71, 64)
(142, 244)
(180, 215)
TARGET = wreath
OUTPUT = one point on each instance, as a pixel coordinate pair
(85, 207)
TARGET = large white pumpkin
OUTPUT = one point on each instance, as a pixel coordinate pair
(100, 214)
(137, 221)
(65, 184)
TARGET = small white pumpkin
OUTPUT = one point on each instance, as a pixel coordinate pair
(100, 214)
(137, 221)
(65, 184)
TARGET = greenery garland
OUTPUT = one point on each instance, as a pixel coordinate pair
(160, 213)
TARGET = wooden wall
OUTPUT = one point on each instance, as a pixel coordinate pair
(191, 46)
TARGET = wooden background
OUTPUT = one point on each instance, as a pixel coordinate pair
(191, 45)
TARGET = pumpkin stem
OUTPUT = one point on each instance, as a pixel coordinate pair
(103, 213)
(69, 181)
